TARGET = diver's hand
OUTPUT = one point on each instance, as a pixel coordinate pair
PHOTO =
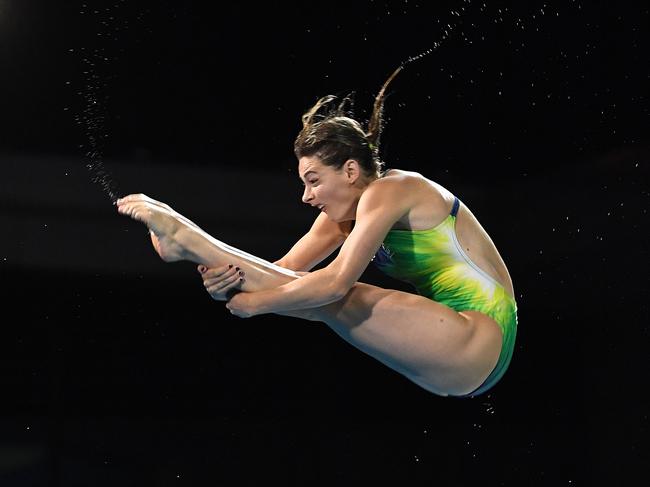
(164, 224)
(221, 282)
(242, 305)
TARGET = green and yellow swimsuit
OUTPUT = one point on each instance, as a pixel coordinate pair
(434, 262)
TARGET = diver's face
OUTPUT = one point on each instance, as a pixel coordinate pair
(327, 189)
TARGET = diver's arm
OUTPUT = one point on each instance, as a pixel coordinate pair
(323, 238)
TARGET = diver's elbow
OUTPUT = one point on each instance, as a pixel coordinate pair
(340, 290)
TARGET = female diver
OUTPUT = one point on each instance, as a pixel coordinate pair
(455, 337)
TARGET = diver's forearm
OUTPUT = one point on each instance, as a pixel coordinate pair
(314, 290)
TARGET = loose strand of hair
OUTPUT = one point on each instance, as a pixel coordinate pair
(308, 117)
(346, 107)
(375, 124)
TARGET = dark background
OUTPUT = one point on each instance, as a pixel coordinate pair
(117, 369)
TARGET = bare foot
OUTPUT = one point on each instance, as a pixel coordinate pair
(164, 224)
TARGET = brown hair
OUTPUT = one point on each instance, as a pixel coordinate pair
(336, 137)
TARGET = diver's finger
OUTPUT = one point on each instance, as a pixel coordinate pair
(226, 278)
(214, 272)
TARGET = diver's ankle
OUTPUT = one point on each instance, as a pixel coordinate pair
(190, 244)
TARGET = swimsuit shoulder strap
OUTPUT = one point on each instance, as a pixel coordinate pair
(454, 209)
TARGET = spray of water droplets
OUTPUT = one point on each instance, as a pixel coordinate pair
(447, 30)
(92, 117)
(455, 25)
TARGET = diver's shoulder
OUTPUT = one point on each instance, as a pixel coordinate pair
(400, 175)
(397, 185)
(418, 185)
(407, 180)
(404, 175)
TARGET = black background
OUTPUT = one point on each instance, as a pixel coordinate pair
(117, 369)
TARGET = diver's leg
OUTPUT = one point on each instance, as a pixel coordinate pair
(442, 350)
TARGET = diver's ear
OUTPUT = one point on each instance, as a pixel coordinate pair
(352, 170)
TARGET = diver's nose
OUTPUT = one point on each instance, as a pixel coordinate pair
(306, 195)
